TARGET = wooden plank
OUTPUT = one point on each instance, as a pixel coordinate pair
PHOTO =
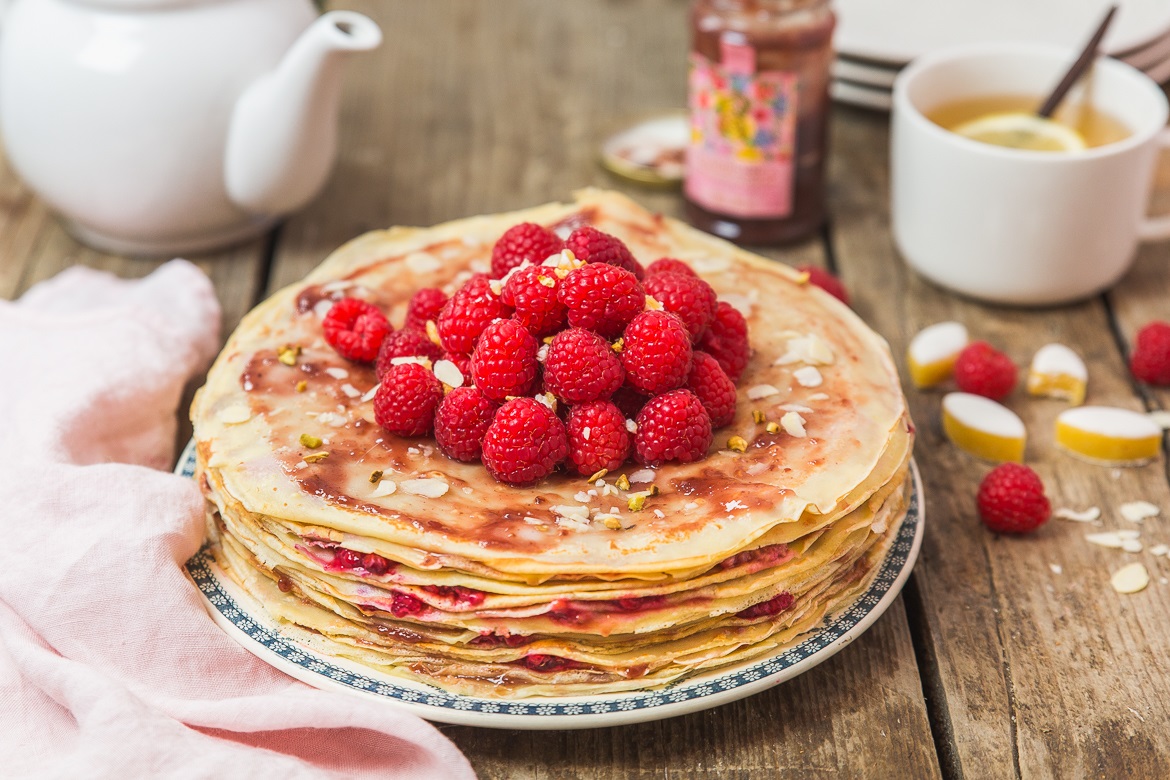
(510, 112)
(1042, 673)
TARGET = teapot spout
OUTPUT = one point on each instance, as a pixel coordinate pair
(282, 138)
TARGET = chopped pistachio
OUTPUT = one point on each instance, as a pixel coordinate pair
(612, 523)
(288, 354)
(310, 441)
(618, 345)
(772, 427)
(636, 502)
(737, 443)
(547, 339)
(302, 386)
(623, 482)
(376, 477)
(598, 475)
(758, 416)
(314, 457)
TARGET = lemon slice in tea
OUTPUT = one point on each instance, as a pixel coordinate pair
(1020, 130)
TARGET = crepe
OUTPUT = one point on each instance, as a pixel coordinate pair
(510, 592)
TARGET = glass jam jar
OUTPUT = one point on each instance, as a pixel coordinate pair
(759, 103)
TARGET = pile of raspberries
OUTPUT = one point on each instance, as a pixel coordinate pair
(572, 354)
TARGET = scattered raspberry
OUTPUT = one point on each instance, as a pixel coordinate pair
(727, 341)
(1012, 501)
(598, 438)
(526, 241)
(461, 421)
(657, 352)
(826, 281)
(688, 297)
(355, 329)
(672, 426)
(406, 400)
(669, 265)
(580, 367)
(469, 311)
(713, 389)
(524, 443)
(532, 292)
(590, 245)
(424, 305)
(602, 298)
(407, 342)
(982, 370)
(504, 361)
(1150, 361)
(630, 401)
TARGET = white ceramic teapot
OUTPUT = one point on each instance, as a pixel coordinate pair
(173, 126)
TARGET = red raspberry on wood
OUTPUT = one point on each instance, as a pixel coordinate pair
(580, 366)
(532, 292)
(504, 361)
(591, 245)
(525, 442)
(602, 298)
(407, 342)
(1150, 361)
(471, 309)
(598, 438)
(672, 427)
(524, 242)
(1011, 500)
(406, 400)
(669, 265)
(713, 389)
(657, 352)
(826, 281)
(461, 421)
(727, 341)
(688, 297)
(424, 305)
(983, 370)
(355, 329)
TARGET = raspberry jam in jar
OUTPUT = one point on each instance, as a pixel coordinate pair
(759, 100)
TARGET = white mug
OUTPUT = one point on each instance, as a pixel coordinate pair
(1015, 226)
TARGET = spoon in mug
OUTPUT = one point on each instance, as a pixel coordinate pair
(1082, 64)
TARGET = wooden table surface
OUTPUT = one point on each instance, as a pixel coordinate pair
(1004, 657)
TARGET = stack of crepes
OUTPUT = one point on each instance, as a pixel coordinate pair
(562, 588)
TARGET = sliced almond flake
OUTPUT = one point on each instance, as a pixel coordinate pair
(548, 399)
(1137, 511)
(336, 286)
(811, 349)
(1056, 568)
(757, 392)
(413, 451)
(690, 506)
(384, 488)
(425, 362)
(422, 262)
(631, 426)
(571, 512)
(1130, 579)
(642, 476)
(1110, 539)
(793, 424)
(653, 304)
(796, 408)
(433, 333)
(1131, 545)
(1128, 533)
(1160, 549)
(1161, 418)
(497, 287)
(448, 373)
(426, 487)
(756, 468)
(808, 376)
(332, 419)
(337, 372)
(585, 432)
(373, 391)
(734, 504)
(234, 415)
(542, 353)
(819, 397)
(351, 391)
(1084, 516)
(582, 496)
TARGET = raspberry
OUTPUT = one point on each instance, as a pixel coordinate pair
(424, 305)
(504, 361)
(375, 564)
(581, 366)
(406, 400)
(346, 558)
(471, 309)
(590, 245)
(1011, 500)
(770, 608)
(602, 298)
(629, 400)
(461, 421)
(532, 292)
(598, 438)
(982, 370)
(688, 297)
(826, 281)
(727, 341)
(524, 443)
(355, 329)
(713, 389)
(669, 265)
(1150, 361)
(407, 342)
(526, 241)
(657, 353)
(672, 426)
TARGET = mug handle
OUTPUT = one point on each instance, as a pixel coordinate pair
(1157, 228)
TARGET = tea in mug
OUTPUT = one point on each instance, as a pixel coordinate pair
(1010, 120)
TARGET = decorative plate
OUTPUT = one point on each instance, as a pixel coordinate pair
(244, 620)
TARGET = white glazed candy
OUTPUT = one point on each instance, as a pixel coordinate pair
(984, 428)
(932, 353)
(1108, 435)
(1058, 372)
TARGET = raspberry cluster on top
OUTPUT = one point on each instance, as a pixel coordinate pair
(570, 354)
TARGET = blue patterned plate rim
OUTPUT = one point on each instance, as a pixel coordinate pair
(244, 620)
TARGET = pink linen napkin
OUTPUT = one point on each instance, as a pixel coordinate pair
(109, 666)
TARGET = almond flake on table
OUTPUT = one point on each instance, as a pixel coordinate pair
(1137, 511)
(1056, 568)
(1092, 514)
(1130, 579)
(1160, 549)
(1114, 540)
